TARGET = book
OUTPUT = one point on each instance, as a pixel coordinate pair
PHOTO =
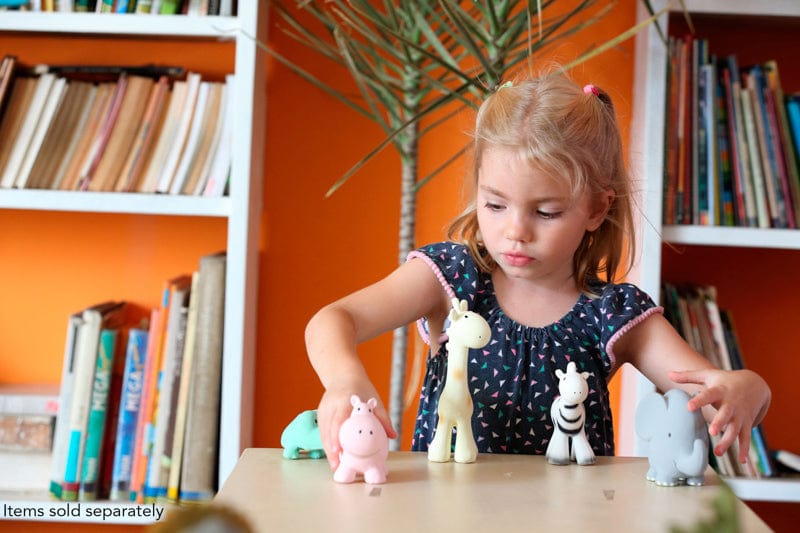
(61, 430)
(785, 204)
(26, 130)
(144, 423)
(753, 143)
(192, 139)
(177, 95)
(169, 7)
(221, 165)
(102, 135)
(7, 71)
(58, 139)
(168, 384)
(99, 109)
(14, 116)
(123, 133)
(86, 348)
(793, 117)
(175, 457)
(730, 77)
(141, 148)
(792, 165)
(763, 453)
(199, 462)
(199, 178)
(74, 127)
(49, 109)
(98, 411)
(788, 459)
(29, 399)
(194, 163)
(180, 133)
(769, 154)
(130, 404)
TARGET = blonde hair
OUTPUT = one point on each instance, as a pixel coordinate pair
(567, 131)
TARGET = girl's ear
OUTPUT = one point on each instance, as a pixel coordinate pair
(602, 203)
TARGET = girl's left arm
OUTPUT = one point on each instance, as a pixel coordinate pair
(739, 398)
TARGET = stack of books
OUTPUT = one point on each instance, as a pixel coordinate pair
(694, 313)
(732, 141)
(139, 400)
(146, 129)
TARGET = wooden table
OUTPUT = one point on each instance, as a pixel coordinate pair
(500, 493)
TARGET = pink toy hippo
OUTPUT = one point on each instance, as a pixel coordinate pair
(365, 445)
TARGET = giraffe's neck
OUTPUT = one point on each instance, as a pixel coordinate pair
(456, 359)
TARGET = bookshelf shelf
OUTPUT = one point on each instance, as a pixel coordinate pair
(737, 18)
(772, 490)
(107, 202)
(732, 236)
(122, 24)
(240, 209)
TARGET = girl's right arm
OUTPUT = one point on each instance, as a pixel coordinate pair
(333, 333)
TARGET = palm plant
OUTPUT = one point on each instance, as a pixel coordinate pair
(416, 59)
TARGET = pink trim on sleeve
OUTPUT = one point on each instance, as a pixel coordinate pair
(627, 327)
(446, 286)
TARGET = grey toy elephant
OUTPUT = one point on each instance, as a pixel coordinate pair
(677, 438)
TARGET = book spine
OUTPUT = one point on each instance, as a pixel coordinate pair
(96, 423)
(61, 432)
(179, 427)
(130, 404)
(149, 383)
(169, 7)
(198, 476)
(81, 398)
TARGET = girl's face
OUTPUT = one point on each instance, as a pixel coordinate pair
(530, 222)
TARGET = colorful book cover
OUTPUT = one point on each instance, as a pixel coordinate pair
(95, 430)
(168, 383)
(130, 403)
(88, 339)
(143, 445)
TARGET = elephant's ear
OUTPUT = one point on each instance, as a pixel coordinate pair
(650, 414)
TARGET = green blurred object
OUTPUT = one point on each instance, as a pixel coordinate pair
(724, 519)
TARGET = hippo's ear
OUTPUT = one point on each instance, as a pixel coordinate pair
(355, 400)
(372, 402)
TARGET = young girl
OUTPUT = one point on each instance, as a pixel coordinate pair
(535, 253)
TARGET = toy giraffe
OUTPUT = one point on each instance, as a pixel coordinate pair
(467, 330)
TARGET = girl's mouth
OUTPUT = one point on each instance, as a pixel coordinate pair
(517, 260)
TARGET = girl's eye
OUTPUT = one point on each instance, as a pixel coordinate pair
(548, 215)
(493, 207)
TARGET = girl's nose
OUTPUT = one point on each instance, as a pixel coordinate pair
(518, 228)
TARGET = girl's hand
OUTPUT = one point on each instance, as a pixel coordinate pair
(334, 408)
(740, 397)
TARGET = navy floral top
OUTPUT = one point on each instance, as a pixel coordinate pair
(512, 379)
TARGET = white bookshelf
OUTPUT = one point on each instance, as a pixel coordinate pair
(241, 209)
(647, 163)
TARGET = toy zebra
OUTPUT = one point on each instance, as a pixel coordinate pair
(569, 416)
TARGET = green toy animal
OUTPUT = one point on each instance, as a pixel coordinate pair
(302, 434)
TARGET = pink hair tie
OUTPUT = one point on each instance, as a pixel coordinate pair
(591, 89)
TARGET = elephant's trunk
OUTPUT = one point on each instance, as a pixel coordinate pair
(694, 463)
